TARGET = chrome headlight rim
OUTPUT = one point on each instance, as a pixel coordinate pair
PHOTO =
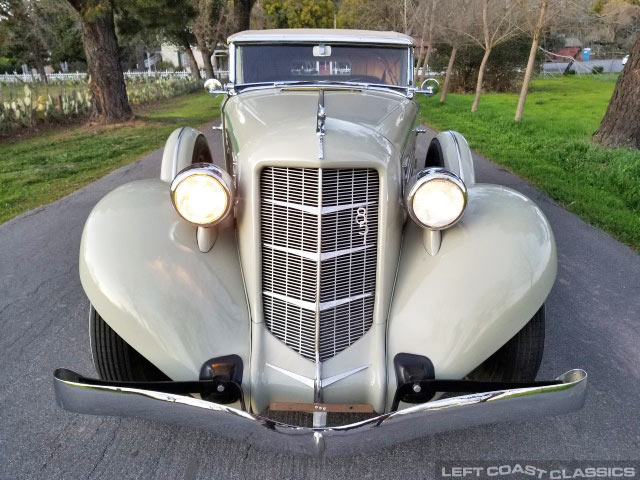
(427, 175)
(209, 170)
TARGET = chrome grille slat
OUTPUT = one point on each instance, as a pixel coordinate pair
(325, 283)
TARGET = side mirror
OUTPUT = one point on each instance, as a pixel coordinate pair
(214, 87)
(428, 90)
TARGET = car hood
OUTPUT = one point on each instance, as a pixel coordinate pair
(285, 119)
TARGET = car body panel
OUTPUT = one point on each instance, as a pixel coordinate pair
(493, 271)
(142, 270)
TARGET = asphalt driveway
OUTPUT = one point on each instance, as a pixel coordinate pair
(593, 316)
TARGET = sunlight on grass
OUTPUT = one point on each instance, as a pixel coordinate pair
(552, 147)
(41, 169)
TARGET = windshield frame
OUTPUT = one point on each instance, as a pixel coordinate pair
(235, 88)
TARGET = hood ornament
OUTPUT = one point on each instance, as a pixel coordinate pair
(320, 129)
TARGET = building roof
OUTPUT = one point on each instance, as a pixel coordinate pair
(318, 35)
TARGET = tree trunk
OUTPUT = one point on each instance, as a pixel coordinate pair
(242, 13)
(106, 80)
(193, 64)
(531, 62)
(429, 42)
(206, 58)
(41, 71)
(620, 126)
(425, 63)
(483, 64)
(447, 77)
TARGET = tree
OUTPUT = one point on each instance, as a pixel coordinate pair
(28, 32)
(168, 18)
(453, 22)
(210, 26)
(106, 80)
(242, 14)
(375, 15)
(299, 13)
(430, 18)
(536, 30)
(620, 126)
(495, 23)
(554, 15)
(66, 36)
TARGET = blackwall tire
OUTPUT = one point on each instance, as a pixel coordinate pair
(519, 359)
(115, 359)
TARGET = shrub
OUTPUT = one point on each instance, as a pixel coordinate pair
(34, 103)
(504, 71)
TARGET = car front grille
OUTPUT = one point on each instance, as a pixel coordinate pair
(319, 250)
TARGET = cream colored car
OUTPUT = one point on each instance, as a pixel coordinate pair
(322, 290)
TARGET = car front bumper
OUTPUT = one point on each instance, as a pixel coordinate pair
(78, 394)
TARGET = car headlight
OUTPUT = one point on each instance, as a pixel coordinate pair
(202, 194)
(436, 198)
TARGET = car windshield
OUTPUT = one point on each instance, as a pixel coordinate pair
(378, 65)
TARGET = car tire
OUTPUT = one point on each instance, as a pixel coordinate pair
(115, 359)
(435, 157)
(519, 359)
(201, 151)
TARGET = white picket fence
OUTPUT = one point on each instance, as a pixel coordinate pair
(53, 77)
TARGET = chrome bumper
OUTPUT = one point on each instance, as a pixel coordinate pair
(421, 420)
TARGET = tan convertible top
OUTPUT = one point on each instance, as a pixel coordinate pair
(318, 35)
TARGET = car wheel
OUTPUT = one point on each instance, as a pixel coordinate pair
(519, 359)
(115, 359)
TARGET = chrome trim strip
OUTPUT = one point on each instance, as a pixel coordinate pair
(294, 251)
(319, 420)
(310, 382)
(336, 378)
(342, 301)
(297, 206)
(313, 255)
(82, 396)
(318, 210)
(315, 306)
(293, 301)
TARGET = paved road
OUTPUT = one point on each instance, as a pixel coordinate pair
(593, 323)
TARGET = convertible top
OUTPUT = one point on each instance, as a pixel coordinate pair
(317, 35)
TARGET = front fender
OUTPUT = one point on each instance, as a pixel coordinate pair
(142, 270)
(494, 270)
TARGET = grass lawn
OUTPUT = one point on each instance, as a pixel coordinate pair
(552, 147)
(40, 169)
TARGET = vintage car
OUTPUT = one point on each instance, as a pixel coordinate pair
(323, 291)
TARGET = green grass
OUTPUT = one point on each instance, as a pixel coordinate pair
(40, 169)
(552, 147)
